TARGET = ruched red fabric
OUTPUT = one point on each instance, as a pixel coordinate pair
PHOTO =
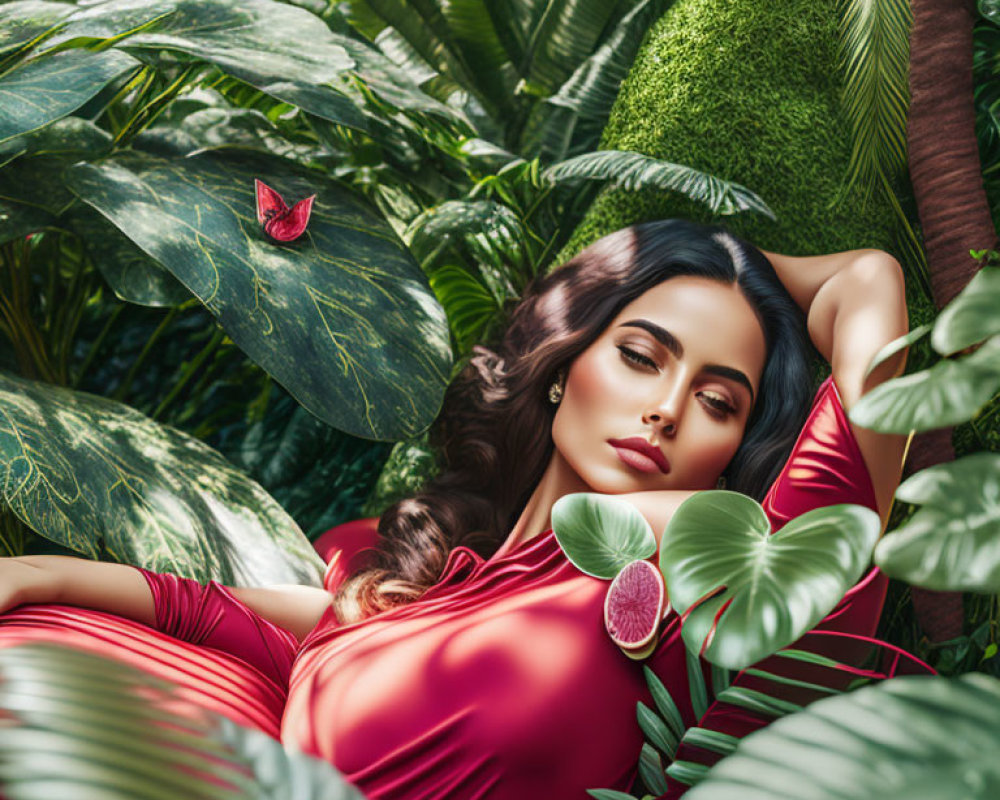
(501, 682)
(219, 654)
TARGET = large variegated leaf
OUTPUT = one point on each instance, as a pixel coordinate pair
(951, 542)
(950, 392)
(132, 275)
(79, 725)
(258, 41)
(342, 317)
(914, 737)
(637, 171)
(95, 475)
(46, 88)
(25, 21)
(744, 592)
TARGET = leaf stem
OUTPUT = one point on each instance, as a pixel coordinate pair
(147, 348)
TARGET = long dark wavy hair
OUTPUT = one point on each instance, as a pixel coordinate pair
(494, 432)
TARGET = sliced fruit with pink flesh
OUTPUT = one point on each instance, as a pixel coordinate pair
(634, 607)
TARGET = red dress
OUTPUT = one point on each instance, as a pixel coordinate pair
(499, 682)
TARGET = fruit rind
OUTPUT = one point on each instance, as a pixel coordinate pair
(640, 570)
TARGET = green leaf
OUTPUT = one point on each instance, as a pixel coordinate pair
(600, 533)
(651, 770)
(584, 101)
(896, 345)
(347, 293)
(80, 725)
(38, 92)
(632, 171)
(972, 316)
(950, 392)
(950, 543)
(656, 731)
(743, 592)
(910, 738)
(875, 53)
(664, 703)
(687, 772)
(95, 475)
(758, 702)
(468, 304)
(23, 22)
(132, 275)
(609, 794)
(717, 742)
(696, 684)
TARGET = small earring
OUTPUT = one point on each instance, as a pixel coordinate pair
(556, 390)
(721, 483)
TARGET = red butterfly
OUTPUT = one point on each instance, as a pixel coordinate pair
(281, 223)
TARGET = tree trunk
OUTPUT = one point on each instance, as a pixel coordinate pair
(952, 205)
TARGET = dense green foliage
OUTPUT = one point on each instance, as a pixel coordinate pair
(750, 92)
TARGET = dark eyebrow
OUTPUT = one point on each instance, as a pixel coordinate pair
(668, 340)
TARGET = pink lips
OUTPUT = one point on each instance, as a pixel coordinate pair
(640, 454)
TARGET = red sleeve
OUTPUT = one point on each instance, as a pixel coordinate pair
(211, 616)
(825, 466)
(346, 549)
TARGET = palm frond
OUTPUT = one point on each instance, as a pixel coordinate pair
(75, 724)
(874, 52)
(631, 171)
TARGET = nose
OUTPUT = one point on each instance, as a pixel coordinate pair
(664, 411)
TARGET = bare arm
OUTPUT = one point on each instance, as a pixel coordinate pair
(121, 590)
(855, 304)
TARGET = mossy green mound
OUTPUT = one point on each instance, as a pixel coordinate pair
(749, 92)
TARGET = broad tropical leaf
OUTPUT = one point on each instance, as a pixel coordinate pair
(911, 738)
(468, 304)
(637, 171)
(257, 41)
(348, 292)
(600, 534)
(950, 543)
(23, 22)
(875, 53)
(950, 392)
(744, 592)
(80, 725)
(97, 476)
(36, 93)
(972, 316)
(132, 275)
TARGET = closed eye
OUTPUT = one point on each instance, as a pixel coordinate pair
(718, 407)
(636, 358)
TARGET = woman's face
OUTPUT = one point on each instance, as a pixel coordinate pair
(679, 369)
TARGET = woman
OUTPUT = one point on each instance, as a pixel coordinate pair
(470, 659)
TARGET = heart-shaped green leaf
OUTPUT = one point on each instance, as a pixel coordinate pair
(972, 316)
(343, 317)
(951, 542)
(770, 588)
(950, 392)
(95, 475)
(600, 533)
(37, 92)
(914, 737)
